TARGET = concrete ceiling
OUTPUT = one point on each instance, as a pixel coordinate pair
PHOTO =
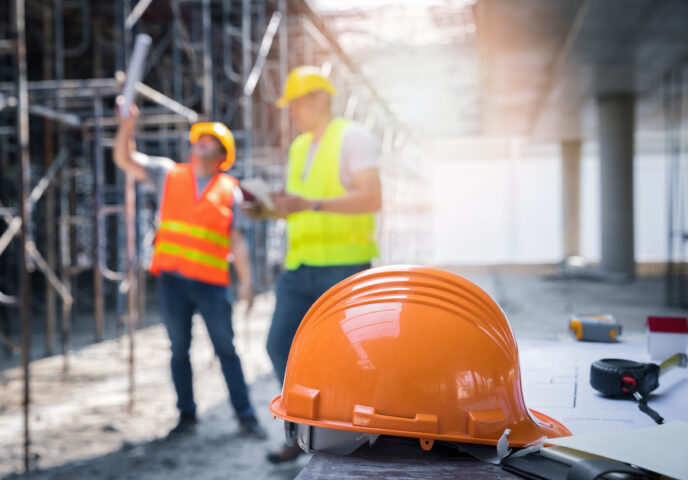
(544, 62)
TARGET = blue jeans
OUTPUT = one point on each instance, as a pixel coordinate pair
(296, 291)
(180, 297)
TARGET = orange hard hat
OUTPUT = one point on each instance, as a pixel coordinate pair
(219, 131)
(413, 352)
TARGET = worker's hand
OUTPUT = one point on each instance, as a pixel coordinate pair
(128, 123)
(286, 203)
(245, 294)
(254, 210)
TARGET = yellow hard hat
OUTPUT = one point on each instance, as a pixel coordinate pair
(219, 131)
(303, 80)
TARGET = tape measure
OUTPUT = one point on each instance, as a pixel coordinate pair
(615, 377)
(595, 327)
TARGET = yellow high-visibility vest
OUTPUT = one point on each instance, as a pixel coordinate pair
(323, 238)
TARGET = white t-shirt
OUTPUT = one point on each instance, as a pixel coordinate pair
(359, 152)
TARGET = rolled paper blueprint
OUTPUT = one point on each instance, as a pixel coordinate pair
(134, 72)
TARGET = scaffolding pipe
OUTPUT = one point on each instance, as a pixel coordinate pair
(263, 52)
(159, 50)
(66, 220)
(176, 61)
(132, 279)
(59, 287)
(68, 119)
(98, 165)
(12, 229)
(228, 32)
(50, 299)
(42, 264)
(130, 242)
(47, 178)
(8, 299)
(136, 13)
(59, 39)
(283, 71)
(108, 273)
(183, 34)
(247, 100)
(90, 84)
(65, 320)
(98, 188)
(148, 120)
(23, 131)
(208, 103)
(15, 224)
(6, 46)
(165, 101)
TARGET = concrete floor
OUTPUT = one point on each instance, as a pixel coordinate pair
(539, 306)
(80, 424)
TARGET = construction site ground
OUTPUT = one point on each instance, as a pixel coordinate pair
(82, 428)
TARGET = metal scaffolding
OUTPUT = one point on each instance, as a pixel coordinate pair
(85, 231)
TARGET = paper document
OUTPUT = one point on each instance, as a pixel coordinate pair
(661, 449)
(556, 382)
(257, 190)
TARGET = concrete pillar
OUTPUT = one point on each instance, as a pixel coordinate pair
(615, 116)
(570, 169)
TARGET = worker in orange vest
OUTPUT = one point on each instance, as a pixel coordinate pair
(197, 230)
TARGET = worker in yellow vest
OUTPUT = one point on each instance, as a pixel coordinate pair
(332, 194)
(197, 230)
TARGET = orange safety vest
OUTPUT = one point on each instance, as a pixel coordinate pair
(193, 238)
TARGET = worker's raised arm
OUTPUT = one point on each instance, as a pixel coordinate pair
(124, 153)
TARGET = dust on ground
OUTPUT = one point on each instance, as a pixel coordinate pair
(81, 426)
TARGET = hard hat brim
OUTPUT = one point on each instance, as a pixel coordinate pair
(284, 101)
(278, 408)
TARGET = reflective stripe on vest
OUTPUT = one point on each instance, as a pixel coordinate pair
(195, 256)
(324, 238)
(195, 231)
(194, 234)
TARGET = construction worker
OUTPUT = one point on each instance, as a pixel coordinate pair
(197, 230)
(332, 193)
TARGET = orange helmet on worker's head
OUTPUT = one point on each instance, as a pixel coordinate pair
(219, 131)
(413, 352)
(302, 81)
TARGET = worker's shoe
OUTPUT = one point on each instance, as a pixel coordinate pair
(250, 427)
(187, 424)
(285, 454)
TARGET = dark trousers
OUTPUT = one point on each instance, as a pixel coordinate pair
(180, 297)
(296, 291)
